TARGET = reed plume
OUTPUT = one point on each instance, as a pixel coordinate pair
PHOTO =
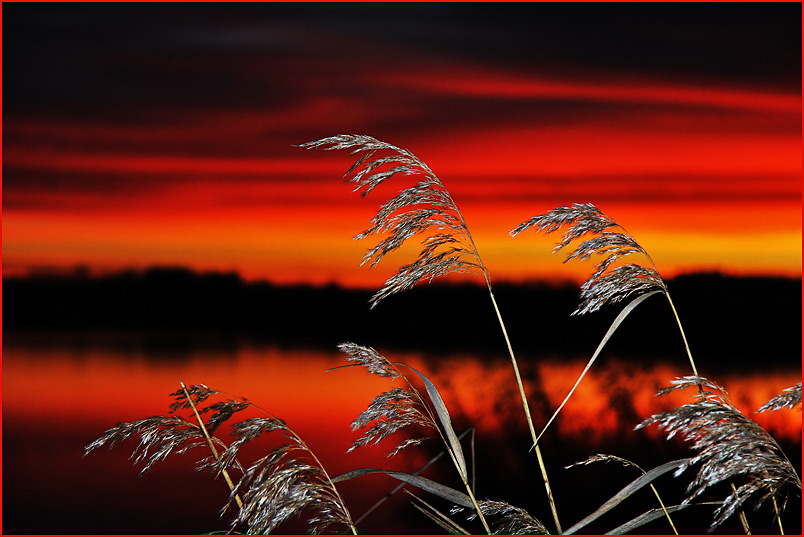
(508, 519)
(425, 208)
(269, 491)
(607, 283)
(730, 447)
(789, 398)
(159, 436)
(399, 407)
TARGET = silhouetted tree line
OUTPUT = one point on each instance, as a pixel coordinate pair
(727, 319)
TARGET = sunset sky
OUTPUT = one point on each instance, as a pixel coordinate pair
(147, 134)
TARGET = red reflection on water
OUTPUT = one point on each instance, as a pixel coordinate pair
(59, 398)
(93, 386)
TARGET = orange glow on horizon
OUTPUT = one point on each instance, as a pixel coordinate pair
(312, 244)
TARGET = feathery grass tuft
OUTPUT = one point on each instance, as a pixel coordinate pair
(374, 362)
(159, 437)
(424, 208)
(398, 408)
(789, 398)
(606, 284)
(269, 491)
(729, 446)
(290, 480)
(507, 519)
(390, 411)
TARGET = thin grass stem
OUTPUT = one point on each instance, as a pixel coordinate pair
(675, 314)
(683, 336)
(209, 442)
(527, 411)
(778, 514)
(667, 514)
(743, 519)
(521, 388)
(474, 473)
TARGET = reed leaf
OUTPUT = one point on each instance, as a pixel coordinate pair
(645, 518)
(446, 422)
(614, 326)
(628, 490)
(418, 481)
(600, 457)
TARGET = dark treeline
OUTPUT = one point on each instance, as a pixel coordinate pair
(728, 320)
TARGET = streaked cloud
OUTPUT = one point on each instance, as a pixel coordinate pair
(173, 119)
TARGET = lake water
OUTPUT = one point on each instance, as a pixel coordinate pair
(60, 392)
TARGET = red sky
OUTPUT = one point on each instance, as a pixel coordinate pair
(171, 142)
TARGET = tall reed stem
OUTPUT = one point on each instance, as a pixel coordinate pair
(743, 520)
(666, 513)
(210, 443)
(678, 320)
(683, 337)
(521, 388)
(778, 514)
(527, 411)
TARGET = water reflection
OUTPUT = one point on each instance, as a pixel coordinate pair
(57, 397)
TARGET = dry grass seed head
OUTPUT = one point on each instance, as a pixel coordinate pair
(729, 445)
(159, 436)
(789, 398)
(221, 413)
(274, 488)
(286, 490)
(198, 392)
(425, 208)
(389, 412)
(373, 361)
(606, 284)
(602, 457)
(507, 519)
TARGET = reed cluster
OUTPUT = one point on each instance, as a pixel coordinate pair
(728, 447)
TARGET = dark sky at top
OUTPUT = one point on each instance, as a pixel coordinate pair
(113, 60)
